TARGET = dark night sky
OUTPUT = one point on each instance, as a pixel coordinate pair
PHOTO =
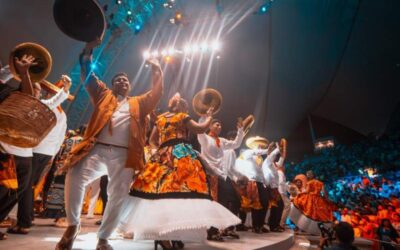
(281, 66)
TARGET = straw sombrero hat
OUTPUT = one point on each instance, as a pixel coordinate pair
(248, 123)
(257, 142)
(205, 99)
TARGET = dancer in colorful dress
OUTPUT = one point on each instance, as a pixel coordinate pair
(311, 208)
(174, 182)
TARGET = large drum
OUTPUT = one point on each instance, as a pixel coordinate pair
(24, 120)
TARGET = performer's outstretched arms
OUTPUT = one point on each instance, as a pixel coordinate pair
(201, 126)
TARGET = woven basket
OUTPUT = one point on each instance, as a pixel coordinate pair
(24, 120)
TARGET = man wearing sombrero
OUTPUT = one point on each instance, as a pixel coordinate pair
(212, 151)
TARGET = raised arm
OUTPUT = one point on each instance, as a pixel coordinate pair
(203, 124)
(60, 96)
(93, 85)
(22, 66)
(148, 101)
(229, 144)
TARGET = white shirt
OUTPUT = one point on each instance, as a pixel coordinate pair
(52, 103)
(282, 185)
(214, 155)
(229, 165)
(248, 166)
(120, 121)
(269, 171)
(54, 139)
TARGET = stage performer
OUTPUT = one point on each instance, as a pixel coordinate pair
(170, 198)
(112, 144)
(312, 206)
(212, 151)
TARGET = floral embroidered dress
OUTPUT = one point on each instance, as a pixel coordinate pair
(170, 198)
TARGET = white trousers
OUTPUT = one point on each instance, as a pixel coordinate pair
(102, 160)
(286, 209)
(94, 191)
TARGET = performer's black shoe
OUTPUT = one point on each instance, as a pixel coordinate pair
(264, 230)
(164, 245)
(241, 227)
(257, 230)
(178, 244)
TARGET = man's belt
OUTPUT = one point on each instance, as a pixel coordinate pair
(111, 145)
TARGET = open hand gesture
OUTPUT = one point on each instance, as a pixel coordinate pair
(24, 64)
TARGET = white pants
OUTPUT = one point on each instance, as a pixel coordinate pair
(94, 191)
(102, 160)
(286, 209)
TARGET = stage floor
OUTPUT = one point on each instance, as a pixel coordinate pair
(45, 236)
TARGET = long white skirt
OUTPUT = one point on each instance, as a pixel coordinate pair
(303, 222)
(174, 219)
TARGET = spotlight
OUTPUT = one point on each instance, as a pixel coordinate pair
(216, 45)
(164, 52)
(218, 57)
(195, 48)
(155, 53)
(187, 49)
(204, 46)
(263, 8)
(129, 12)
(93, 66)
(167, 59)
(171, 51)
(118, 2)
(178, 16)
(146, 54)
(137, 28)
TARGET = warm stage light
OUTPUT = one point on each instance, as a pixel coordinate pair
(178, 16)
(167, 59)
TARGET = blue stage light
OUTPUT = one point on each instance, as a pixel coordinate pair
(93, 66)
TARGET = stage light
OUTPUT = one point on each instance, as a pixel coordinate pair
(129, 12)
(218, 57)
(204, 46)
(216, 45)
(146, 54)
(263, 8)
(155, 53)
(171, 51)
(137, 28)
(118, 2)
(167, 59)
(187, 49)
(195, 48)
(178, 16)
(164, 52)
(93, 66)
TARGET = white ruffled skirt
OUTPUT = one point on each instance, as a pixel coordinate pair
(173, 219)
(303, 222)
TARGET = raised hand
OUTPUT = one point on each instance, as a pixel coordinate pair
(93, 44)
(22, 65)
(239, 123)
(210, 112)
(154, 62)
(67, 82)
